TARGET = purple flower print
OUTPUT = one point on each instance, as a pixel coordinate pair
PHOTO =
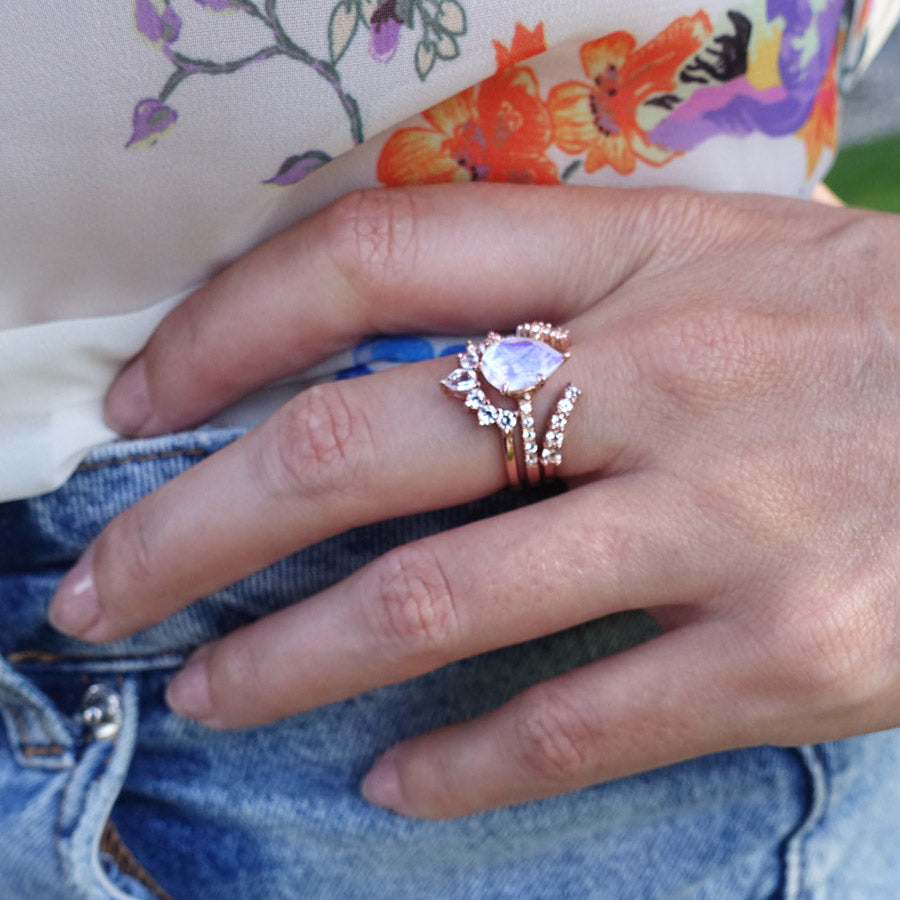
(385, 31)
(739, 107)
(296, 168)
(809, 30)
(157, 21)
(151, 118)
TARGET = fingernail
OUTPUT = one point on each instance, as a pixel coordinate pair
(75, 609)
(188, 692)
(128, 402)
(382, 785)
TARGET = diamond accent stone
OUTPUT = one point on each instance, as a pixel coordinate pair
(517, 364)
(506, 420)
(554, 438)
(475, 399)
(488, 415)
(461, 381)
(565, 405)
(469, 359)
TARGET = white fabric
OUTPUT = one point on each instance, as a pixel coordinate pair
(98, 241)
(51, 411)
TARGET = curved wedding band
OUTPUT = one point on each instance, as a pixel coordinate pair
(517, 366)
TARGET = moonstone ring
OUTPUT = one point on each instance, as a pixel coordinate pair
(516, 366)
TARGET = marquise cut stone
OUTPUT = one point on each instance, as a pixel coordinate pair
(461, 381)
(516, 364)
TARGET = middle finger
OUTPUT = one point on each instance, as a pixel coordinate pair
(619, 544)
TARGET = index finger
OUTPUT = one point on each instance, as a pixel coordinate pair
(449, 259)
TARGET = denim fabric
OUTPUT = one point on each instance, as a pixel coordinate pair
(166, 808)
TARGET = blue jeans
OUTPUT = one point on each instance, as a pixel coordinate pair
(104, 793)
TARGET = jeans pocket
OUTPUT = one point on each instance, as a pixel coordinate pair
(74, 849)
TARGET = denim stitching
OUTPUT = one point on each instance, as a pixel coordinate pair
(25, 745)
(112, 844)
(63, 800)
(147, 457)
(114, 666)
(795, 867)
(16, 713)
(42, 723)
(40, 750)
(28, 747)
(41, 716)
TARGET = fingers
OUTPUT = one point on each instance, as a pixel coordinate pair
(674, 698)
(335, 457)
(535, 571)
(387, 261)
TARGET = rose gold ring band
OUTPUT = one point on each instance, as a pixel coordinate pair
(517, 366)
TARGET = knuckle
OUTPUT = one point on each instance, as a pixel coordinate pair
(833, 656)
(684, 222)
(617, 550)
(707, 355)
(237, 673)
(322, 441)
(125, 553)
(554, 740)
(859, 241)
(414, 612)
(187, 350)
(187, 330)
(858, 256)
(373, 237)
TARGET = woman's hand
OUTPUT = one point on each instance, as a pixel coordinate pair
(734, 464)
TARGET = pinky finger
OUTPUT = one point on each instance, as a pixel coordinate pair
(673, 698)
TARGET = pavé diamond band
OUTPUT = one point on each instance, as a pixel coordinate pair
(517, 366)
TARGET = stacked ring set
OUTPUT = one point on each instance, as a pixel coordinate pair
(517, 366)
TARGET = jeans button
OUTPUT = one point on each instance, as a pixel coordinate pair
(101, 711)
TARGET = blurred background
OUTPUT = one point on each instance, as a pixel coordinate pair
(867, 171)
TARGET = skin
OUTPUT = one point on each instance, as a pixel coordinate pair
(733, 462)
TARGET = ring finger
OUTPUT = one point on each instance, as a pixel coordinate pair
(337, 456)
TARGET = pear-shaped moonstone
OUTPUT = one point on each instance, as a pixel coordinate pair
(516, 364)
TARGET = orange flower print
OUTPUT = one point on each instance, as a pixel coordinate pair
(499, 130)
(601, 118)
(820, 129)
(525, 44)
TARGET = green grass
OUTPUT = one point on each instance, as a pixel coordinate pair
(869, 175)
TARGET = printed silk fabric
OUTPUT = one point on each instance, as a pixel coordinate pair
(144, 150)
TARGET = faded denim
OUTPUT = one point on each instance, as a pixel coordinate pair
(275, 812)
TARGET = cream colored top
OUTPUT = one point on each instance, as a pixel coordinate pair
(148, 144)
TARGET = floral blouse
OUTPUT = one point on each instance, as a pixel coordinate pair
(146, 148)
